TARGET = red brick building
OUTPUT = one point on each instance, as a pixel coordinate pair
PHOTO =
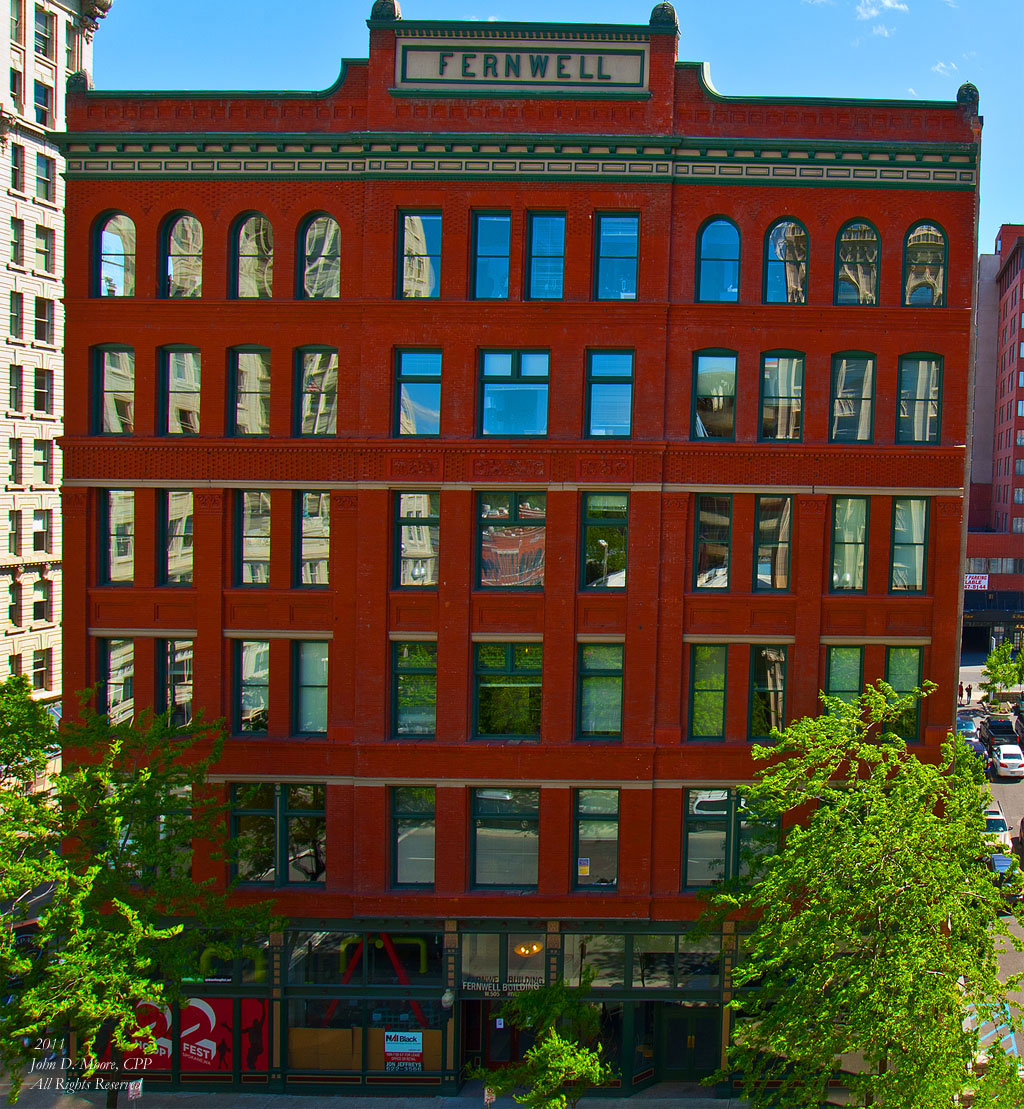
(500, 440)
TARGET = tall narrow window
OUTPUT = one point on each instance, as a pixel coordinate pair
(718, 263)
(42, 669)
(42, 462)
(419, 255)
(924, 266)
(251, 378)
(545, 263)
(17, 168)
(183, 257)
(708, 666)
(182, 374)
(506, 836)
(782, 396)
(252, 686)
(605, 524)
(491, 243)
(14, 462)
(309, 687)
(17, 22)
(414, 690)
(417, 539)
(254, 258)
(609, 393)
(116, 271)
(920, 399)
(177, 532)
(318, 391)
(14, 532)
(16, 327)
(849, 543)
(46, 178)
(511, 528)
(844, 673)
(785, 263)
(413, 834)
(508, 690)
(618, 245)
(15, 616)
(714, 395)
(42, 531)
(853, 395)
(42, 601)
(597, 838)
(42, 391)
(909, 543)
(114, 412)
(600, 691)
(44, 321)
(321, 259)
(117, 679)
(253, 558)
(15, 387)
(712, 527)
(857, 255)
(767, 689)
(176, 659)
(903, 673)
(43, 104)
(314, 538)
(17, 242)
(44, 40)
(45, 248)
(417, 392)
(772, 531)
(514, 392)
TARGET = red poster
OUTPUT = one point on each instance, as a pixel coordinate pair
(206, 1034)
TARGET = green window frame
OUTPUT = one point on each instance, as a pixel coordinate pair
(252, 543)
(249, 413)
(507, 696)
(712, 541)
(320, 258)
(310, 669)
(413, 836)
(782, 396)
(115, 692)
(616, 255)
(858, 263)
(599, 702)
(114, 394)
(176, 523)
(903, 666)
(514, 393)
(852, 405)
(511, 537)
(418, 392)
(413, 689)
(844, 673)
(545, 257)
(419, 255)
(925, 258)
(785, 263)
(114, 270)
(312, 538)
(850, 517)
(609, 407)
(773, 533)
(316, 397)
(117, 554)
(919, 417)
(252, 271)
(278, 833)
(251, 686)
(718, 262)
(721, 837)
(506, 837)
(908, 566)
(714, 395)
(767, 689)
(417, 539)
(492, 238)
(181, 396)
(182, 257)
(175, 660)
(709, 674)
(596, 839)
(605, 540)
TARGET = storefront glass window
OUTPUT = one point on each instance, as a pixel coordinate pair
(606, 954)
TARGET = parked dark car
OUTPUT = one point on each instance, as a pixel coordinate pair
(995, 730)
(1007, 876)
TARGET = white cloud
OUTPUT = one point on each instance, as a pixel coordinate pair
(881, 29)
(818, 1)
(944, 69)
(913, 92)
(868, 9)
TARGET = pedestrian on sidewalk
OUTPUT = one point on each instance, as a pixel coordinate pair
(960, 694)
(968, 694)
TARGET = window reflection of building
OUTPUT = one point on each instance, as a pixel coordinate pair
(120, 676)
(418, 558)
(513, 556)
(121, 524)
(857, 269)
(316, 538)
(787, 252)
(118, 371)
(183, 388)
(925, 266)
(853, 389)
(179, 538)
(179, 681)
(419, 256)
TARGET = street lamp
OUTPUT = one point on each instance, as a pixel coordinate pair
(603, 544)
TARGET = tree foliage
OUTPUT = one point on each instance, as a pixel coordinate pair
(1003, 671)
(96, 866)
(870, 942)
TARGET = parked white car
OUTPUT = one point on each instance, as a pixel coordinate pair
(996, 826)
(1007, 761)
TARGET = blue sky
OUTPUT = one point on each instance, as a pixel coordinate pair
(900, 49)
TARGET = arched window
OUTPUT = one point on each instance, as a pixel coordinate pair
(321, 259)
(857, 250)
(254, 258)
(183, 253)
(115, 275)
(785, 263)
(718, 263)
(924, 266)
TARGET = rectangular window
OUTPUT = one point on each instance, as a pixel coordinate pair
(1018, 467)
(182, 374)
(849, 543)
(417, 539)
(903, 673)
(314, 532)
(853, 394)
(722, 838)
(252, 686)
(413, 832)
(508, 690)
(618, 238)
(115, 399)
(42, 669)
(714, 396)
(1018, 496)
(417, 392)
(309, 690)
(414, 690)
(253, 549)
(767, 689)
(17, 168)
(600, 692)
(15, 381)
(909, 537)
(920, 399)
(708, 671)
(773, 530)
(175, 657)
(44, 33)
(14, 461)
(17, 23)
(115, 695)
(72, 56)
(42, 102)
(492, 232)
(14, 616)
(506, 836)
(844, 673)
(279, 833)
(1018, 524)
(18, 91)
(610, 393)
(44, 320)
(782, 397)
(1020, 408)
(176, 520)
(545, 263)
(712, 528)
(42, 462)
(45, 248)
(42, 531)
(419, 255)
(14, 665)
(118, 552)
(514, 392)
(318, 391)
(14, 532)
(42, 601)
(597, 838)
(251, 375)
(17, 316)
(17, 242)
(605, 530)
(42, 393)
(511, 530)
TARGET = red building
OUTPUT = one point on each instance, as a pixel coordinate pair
(500, 440)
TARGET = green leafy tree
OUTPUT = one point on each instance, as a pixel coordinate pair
(1002, 672)
(98, 855)
(870, 941)
(565, 1061)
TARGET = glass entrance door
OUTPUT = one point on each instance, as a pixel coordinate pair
(502, 1043)
(688, 1042)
